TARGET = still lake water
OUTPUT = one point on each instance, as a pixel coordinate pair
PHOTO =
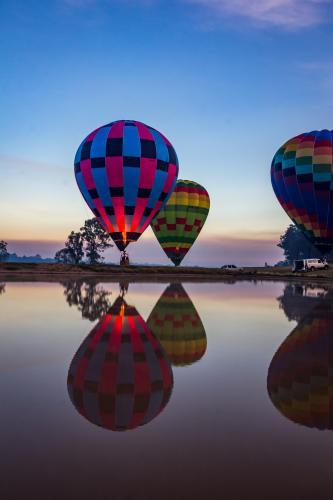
(204, 408)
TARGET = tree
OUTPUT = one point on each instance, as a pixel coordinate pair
(63, 256)
(73, 252)
(96, 240)
(296, 246)
(91, 240)
(74, 245)
(3, 251)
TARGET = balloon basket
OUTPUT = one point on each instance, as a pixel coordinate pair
(124, 259)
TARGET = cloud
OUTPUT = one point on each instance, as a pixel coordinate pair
(321, 75)
(27, 163)
(289, 14)
(281, 13)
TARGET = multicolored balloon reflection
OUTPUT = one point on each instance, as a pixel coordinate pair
(120, 377)
(176, 323)
(300, 376)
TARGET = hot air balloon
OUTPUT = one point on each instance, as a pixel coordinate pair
(179, 223)
(301, 174)
(176, 323)
(120, 377)
(126, 172)
(299, 381)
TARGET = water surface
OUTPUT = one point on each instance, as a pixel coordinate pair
(166, 391)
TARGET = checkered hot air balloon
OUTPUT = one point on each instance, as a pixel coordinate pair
(176, 323)
(126, 172)
(302, 179)
(300, 376)
(179, 223)
(120, 377)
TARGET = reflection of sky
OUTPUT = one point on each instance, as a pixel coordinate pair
(219, 423)
(43, 315)
(227, 82)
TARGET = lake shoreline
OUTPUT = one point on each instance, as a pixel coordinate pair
(12, 271)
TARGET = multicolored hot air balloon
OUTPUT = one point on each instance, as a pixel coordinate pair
(126, 172)
(179, 223)
(300, 381)
(302, 179)
(120, 377)
(176, 323)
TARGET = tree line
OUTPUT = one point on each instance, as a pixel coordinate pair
(88, 244)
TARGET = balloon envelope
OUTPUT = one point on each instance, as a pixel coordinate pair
(301, 175)
(179, 223)
(176, 323)
(299, 381)
(126, 172)
(120, 377)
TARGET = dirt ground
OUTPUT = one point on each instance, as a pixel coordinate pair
(107, 272)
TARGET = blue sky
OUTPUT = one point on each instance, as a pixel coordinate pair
(226, 81)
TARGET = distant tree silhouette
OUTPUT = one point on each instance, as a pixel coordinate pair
(63, 256)
(96, 240)
(89, 298)
(73, 252)
(90, 241)
(3, 251)
(296, 246)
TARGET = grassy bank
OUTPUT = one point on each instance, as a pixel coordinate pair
(102, 272)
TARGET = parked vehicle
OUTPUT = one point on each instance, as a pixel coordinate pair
(231, 267)
(307, 290)
(309, 265)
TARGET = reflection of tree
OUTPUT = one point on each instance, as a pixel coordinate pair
(123, 288)
(299, 299)
(2, 288)
(91, 299)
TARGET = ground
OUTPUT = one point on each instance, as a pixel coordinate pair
(108, 272)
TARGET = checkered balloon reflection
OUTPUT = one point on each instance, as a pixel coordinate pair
(120, 377)
(300, 376)
(176, 323)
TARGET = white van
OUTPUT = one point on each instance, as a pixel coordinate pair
(309, 265)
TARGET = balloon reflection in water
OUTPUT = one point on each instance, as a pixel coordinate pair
(300, 376)
(120, 377)
(176, 323)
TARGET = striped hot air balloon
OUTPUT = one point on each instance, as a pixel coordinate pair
(120, 377)
(126, 172)
(302, 179)
(176, 323)
(179, 223)
(300, 381)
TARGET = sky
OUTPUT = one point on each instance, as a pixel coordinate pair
(227, 81)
